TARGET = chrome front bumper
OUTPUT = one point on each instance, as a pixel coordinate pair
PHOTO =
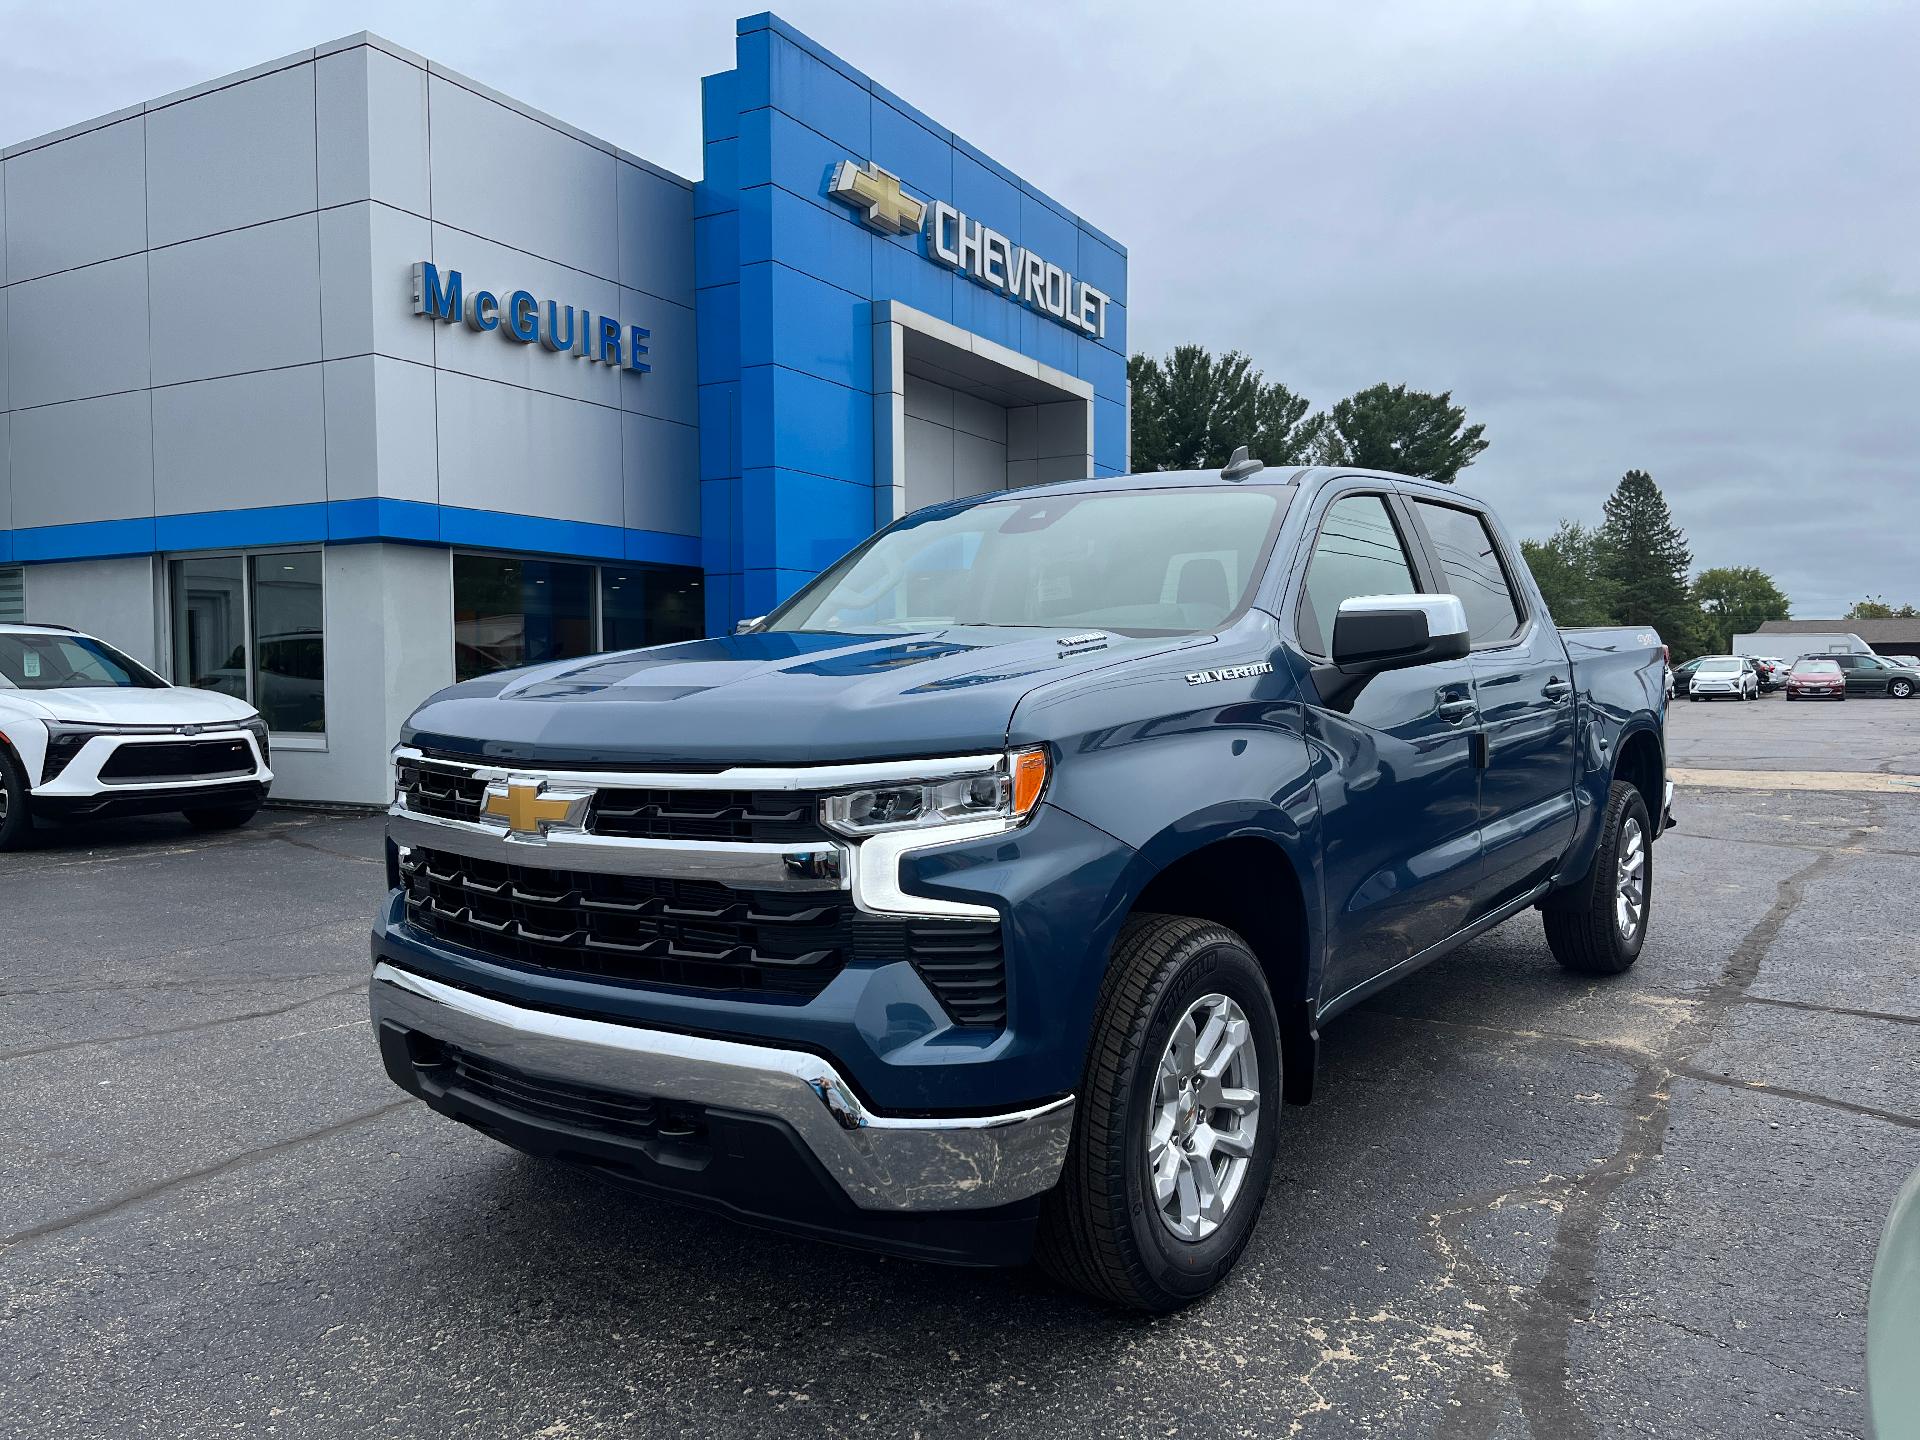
(883, 1163)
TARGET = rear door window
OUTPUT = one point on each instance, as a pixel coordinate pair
(1470, 559)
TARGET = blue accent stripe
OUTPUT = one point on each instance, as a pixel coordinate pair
(346, 522)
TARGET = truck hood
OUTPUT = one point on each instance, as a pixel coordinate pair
(783, 698)
(113, 705)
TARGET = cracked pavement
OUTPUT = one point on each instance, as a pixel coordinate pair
(1523, 1204)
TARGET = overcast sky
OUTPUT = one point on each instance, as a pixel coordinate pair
(1678, 236)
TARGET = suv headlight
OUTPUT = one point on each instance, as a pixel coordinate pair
(257, 728)
(1007, 792)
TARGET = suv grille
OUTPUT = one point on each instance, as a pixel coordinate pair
(179, 760)
(636, 930)
(775, 817)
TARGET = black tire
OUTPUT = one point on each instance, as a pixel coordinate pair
(1901, 689)
(1582, 929)
(1101, 1230)
(16, 806)
(226, 817)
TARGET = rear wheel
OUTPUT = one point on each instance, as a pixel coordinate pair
(16, 813)
(1901, 689)
(1598, 925)
(1174, 1130)
(226, 817)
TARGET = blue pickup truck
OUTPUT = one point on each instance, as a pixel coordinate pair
(986, 900)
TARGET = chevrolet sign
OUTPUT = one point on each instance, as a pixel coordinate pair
(961, 243)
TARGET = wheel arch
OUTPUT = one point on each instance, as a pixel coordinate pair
(1253, 884)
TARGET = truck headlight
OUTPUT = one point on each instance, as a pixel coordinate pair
(1007, 792)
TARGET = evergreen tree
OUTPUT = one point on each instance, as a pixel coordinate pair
(1567, 568)
(1389, 427)
(1644, 559)
(1190, 410)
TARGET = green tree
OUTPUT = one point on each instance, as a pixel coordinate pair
(1875, 608)
(1734, 600)
(1566, 566)
(1389, 427)
(1191, 409)
(1644, 558)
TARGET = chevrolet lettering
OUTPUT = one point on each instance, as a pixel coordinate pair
(977, 251)
(956, 908)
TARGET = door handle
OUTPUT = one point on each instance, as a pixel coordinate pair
(1557, 688)
(1455, 710)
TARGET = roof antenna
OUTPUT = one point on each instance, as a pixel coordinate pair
(1241, 465)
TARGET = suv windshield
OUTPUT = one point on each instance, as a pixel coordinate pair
(69, 662)
(1144, 561)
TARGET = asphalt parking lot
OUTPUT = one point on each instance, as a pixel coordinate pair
(1525, 1204)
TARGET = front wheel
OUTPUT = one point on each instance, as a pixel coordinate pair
(1598, 924)
(1174, 1132)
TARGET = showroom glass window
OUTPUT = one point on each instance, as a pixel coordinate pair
(252, 626)
(508, 611)
(649, 607)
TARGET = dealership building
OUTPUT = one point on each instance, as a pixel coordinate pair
(335, 380)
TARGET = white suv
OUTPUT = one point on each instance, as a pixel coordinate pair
(85, 732)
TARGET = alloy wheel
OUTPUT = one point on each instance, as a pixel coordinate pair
(1204, 1118)
(1630, 891)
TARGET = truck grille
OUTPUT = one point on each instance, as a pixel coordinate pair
(631, 928)
(179, 760)
(450, 792)
(644, 931)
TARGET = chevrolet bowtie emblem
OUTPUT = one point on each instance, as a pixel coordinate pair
(877, 192)
(529, 809)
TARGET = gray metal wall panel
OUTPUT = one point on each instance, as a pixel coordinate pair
(371, 112)
(109, 598)
(233, 157)
(501, 446)
(84, 460)
(380, 430)
(238, 301)
(569, 216)
(483, 265)
(3, 243)
(929, 460)
(6, 471)
(77, 201)
(367, 253)
(671, 388)
(242, 441)
(656, 235)
(5, 403)
(58, 326)
(979, 465)
(662, 464)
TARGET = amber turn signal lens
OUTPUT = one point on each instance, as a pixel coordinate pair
(1029, 779)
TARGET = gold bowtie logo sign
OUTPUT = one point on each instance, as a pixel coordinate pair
(877, 192)
(528, 811)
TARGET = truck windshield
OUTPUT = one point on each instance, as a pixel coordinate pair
(1143, 561)
(69, 662)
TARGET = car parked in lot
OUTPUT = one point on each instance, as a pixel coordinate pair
(87, 732)
(993, 890)
(1905, 662)
(1816, 677)
(1724, 677)
(1772, 672)
(1877, 675)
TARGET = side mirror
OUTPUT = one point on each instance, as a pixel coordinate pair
(748, 625)
(1373, 634)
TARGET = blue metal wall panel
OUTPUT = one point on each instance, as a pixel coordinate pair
(789, 322)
